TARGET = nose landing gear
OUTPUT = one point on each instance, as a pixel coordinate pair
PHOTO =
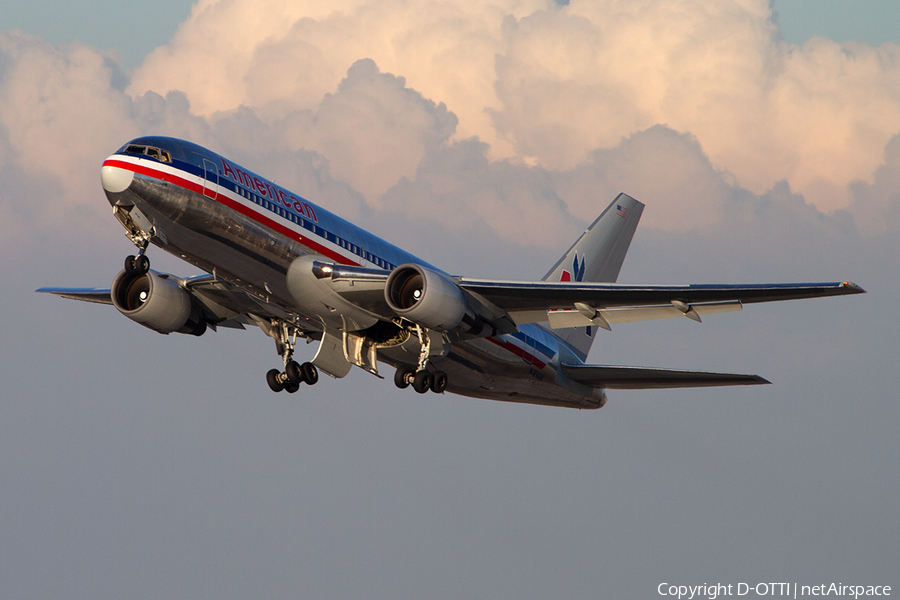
(139, 231)
(137, 265)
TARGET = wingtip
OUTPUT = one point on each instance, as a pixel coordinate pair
(852, 288)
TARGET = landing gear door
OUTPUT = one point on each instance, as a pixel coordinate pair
(330, 356)
(210, 179)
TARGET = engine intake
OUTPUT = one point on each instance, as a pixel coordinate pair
(156, 302)
(426, 297)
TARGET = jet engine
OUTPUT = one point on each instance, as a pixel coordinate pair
(156, 302)
(428, 298)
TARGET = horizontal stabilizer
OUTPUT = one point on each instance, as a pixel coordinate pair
(639, 378)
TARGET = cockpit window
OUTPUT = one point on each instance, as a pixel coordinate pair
(158, 154)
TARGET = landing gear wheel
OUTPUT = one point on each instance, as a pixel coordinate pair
(295, 373)
(137, 265)
(422, 381)
(273, 378)
(402, 376)
(142, 264)
(285, 335)
(440, 382)
(310, 373)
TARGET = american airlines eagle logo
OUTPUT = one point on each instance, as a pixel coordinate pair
(577, 271)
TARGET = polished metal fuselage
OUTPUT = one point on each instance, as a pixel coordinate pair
(207, 219)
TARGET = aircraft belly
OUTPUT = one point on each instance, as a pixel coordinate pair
(475, 368)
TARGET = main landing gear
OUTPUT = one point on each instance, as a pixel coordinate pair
(294, 373)
(421, 379)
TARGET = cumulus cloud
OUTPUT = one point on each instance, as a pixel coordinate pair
(816, 115)
(876, 205)
(60, 111)
(547, 85)
(561, 98)
(374, 130)
(64, 109)
(459, 187)
(664, 168)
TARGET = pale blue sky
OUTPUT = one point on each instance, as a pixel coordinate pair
(870, 21)
(136, 28)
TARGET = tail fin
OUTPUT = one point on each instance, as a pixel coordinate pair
(597, 256)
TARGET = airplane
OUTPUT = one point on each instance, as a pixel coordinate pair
(275, 260)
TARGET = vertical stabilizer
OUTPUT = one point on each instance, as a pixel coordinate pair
(598, 256)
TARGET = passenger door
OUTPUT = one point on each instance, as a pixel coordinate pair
(210, 179)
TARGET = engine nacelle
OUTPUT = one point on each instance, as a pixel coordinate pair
(426, 297)
(156, 302)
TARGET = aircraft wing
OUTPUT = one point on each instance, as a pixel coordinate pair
(521, 296)
(640, 378)
(577, 304)
(572, 304)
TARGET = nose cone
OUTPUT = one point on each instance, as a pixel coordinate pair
(115, 179)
